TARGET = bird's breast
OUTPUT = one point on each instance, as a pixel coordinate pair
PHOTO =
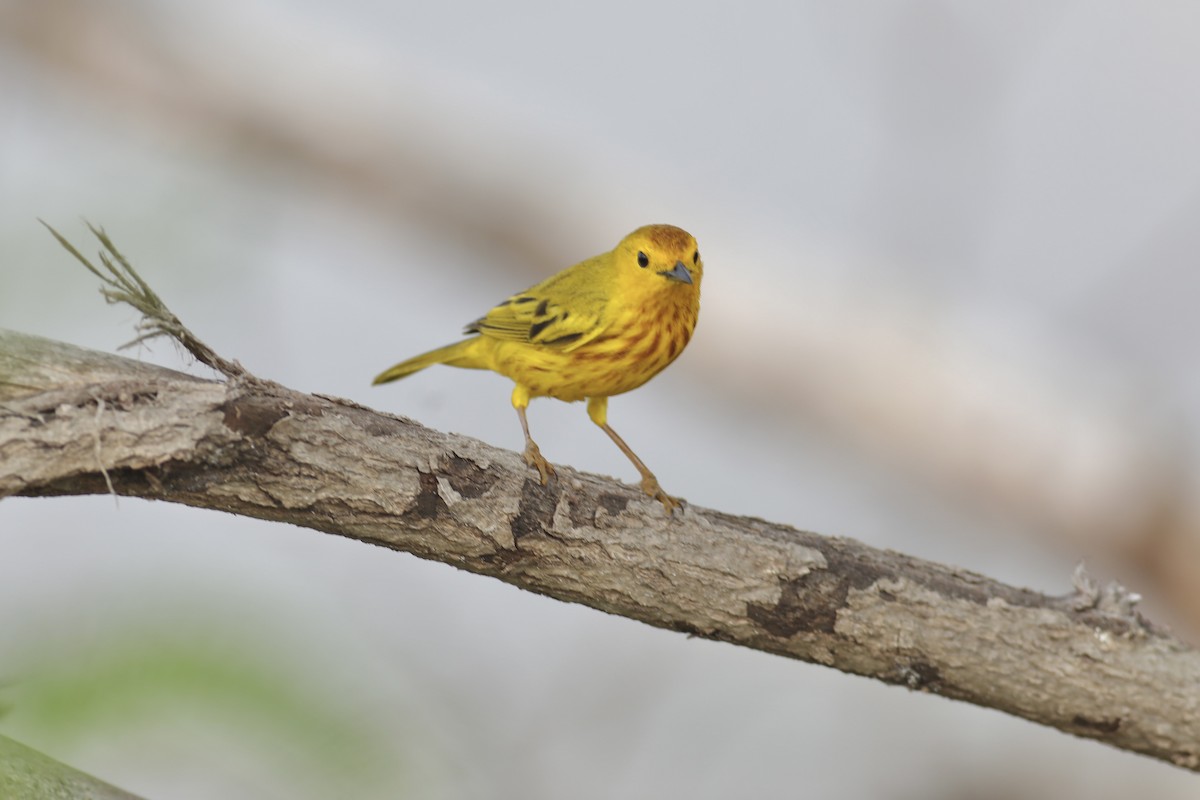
(636, 346)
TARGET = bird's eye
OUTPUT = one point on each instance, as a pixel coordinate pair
(696, 257)
(643, 259)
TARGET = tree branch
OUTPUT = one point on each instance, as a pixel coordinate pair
(74, 421)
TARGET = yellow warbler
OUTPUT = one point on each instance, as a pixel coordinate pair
(602, 327)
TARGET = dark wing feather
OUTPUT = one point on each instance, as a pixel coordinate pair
(561, 313)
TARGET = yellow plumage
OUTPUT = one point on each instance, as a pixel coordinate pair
(600, 328)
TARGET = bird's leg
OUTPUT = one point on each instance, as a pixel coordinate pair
(533, 456)
(598, 411)
(649, 482)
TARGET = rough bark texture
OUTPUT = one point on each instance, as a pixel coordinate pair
(73, 421)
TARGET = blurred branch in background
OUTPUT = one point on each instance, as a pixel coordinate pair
(1081, 451)
(26, 774)
(243, 696)
(379, 143)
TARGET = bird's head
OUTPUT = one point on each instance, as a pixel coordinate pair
(660, 258)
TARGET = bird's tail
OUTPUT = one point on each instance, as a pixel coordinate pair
(459, 354)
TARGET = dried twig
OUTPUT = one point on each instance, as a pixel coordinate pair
(122, 284)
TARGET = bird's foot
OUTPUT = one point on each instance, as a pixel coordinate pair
(535, 459)
(650, 487)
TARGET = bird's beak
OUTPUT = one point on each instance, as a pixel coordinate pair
(679, 273)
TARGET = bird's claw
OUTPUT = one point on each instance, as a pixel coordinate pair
(535, 459)
(650, 487)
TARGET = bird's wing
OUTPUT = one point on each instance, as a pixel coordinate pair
(561, 313)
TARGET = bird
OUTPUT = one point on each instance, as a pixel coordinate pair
(600, 328)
